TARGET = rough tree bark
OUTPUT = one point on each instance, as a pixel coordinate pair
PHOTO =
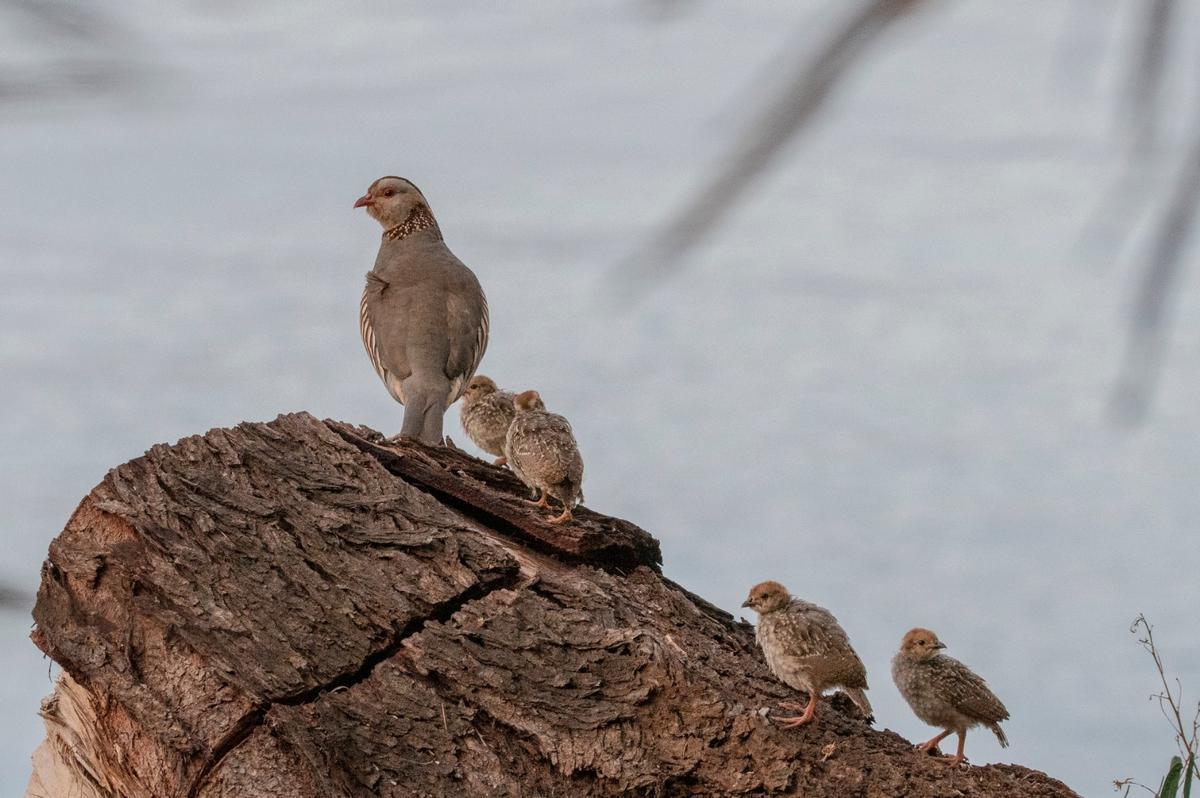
(300, 609)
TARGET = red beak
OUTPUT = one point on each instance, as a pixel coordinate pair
(364, 201)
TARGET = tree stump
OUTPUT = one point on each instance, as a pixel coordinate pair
(301, 609)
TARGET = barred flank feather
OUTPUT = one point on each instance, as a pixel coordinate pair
(367, 331)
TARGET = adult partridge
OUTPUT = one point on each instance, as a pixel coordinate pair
(423, 316)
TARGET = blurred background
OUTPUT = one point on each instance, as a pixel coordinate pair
(894, 302)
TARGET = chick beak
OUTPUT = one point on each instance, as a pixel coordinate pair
(746, 603)
(364, 201)
(939, 645)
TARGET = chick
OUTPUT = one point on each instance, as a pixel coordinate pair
(944, 692)
(542, 452)
(485, 414)
(807, 649)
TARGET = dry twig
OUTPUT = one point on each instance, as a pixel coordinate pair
(1170, 702)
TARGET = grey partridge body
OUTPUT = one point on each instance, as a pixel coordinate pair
(423, 315)
(541, 451)
(807, 649)
(943, 692)
(486, 414)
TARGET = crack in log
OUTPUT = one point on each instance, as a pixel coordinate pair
(256, 717)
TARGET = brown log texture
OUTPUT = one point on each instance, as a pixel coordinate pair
(301, 609)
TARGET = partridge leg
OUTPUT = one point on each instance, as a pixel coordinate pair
(564, 518)
(541, 502)
(932, 745)
(499, 461)
(959, 757)
(810, 709)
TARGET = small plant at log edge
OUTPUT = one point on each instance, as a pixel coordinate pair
(1169, 702)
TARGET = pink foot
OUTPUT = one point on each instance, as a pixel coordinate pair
(791, 723)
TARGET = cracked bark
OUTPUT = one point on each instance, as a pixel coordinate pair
(301, 609)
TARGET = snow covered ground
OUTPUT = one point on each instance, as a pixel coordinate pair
(882, 381)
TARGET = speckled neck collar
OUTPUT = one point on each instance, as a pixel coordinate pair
(419, 218)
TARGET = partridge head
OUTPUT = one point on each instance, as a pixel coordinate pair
(527, 401)
(767, 597)
(392, 200)
(921, 644)
(479, 387)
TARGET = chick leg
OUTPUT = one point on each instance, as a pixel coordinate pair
(932, 745)
(810, 710)
(565, 517)
(959, 757)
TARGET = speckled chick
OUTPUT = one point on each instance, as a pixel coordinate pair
(944, 692)
(486, 414)
(542, 452)
(807, 649)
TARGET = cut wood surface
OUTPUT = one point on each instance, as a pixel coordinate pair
(301, 608)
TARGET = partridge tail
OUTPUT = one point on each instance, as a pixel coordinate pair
(573, 492)
(424, 406)
(859, 697)
(995, 727)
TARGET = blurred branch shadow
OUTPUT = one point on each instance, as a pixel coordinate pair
(1141, 367)
(1147, 340)
(1143, 89)
(1116, 214)
(812, 80)
(13, 599)
(82, 51)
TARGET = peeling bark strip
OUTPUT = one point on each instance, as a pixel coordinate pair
(497, 498)
(300, 609)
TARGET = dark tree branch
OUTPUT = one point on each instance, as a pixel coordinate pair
(84, 52)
